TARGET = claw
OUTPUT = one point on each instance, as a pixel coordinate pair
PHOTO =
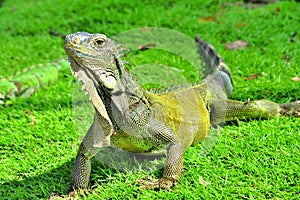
(77, 192)
(164, 183)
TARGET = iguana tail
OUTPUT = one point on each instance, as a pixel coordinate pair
(215, 66)
(25, 82)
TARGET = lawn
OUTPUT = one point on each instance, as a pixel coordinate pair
(255, 159)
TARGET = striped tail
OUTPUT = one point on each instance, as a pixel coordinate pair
(215, 64)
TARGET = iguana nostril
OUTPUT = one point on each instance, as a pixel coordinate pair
(76, 40)
(67, 39)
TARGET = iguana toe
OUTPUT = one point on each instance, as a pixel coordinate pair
(163, 183)
(77, 192)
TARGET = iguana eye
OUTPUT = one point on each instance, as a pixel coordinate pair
(99, 41)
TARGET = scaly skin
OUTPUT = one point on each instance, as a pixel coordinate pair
(129, 118)
(27, 81)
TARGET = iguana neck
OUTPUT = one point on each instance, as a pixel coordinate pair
(126, 88)
(123, 99)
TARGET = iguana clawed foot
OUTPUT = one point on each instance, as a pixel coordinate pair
(73, 195)
(163, 183)
(77, 192)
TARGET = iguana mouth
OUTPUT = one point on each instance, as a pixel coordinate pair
(100, 77)
(74, 50)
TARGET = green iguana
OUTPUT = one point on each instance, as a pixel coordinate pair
(135, 120)
(27, 81)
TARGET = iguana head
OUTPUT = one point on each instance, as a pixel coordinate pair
(95, 54)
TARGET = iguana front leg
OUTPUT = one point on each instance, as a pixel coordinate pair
(160, 133)
(173, 168)
(98, 136)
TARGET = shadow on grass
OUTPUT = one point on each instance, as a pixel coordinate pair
(40, 186)
(58, 180)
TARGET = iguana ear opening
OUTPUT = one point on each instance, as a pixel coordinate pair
(108, 81)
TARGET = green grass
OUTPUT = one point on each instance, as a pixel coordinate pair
(252, 160)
